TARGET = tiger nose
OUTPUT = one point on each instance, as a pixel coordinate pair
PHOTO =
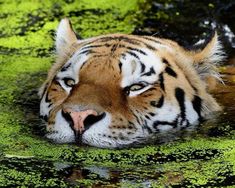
(78, 118)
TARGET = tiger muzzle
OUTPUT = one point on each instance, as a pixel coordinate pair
(80, 121)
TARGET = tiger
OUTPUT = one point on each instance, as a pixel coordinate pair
(118, 90)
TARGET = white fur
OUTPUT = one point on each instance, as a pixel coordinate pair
(76, 61)
(213, 55)
(92, 137)
(44, 107)
(164, 127)
(64, 36)
(191, 114)
(132, 76)
(168, 111)
(216, 53)
(62, 132)
(62, 33)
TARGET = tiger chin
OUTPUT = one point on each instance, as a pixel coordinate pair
(118, 90)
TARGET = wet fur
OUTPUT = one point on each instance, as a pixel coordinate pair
(104, 68)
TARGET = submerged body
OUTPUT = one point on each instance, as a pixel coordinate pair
(117, 90)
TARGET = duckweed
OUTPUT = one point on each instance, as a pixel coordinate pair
(27, 159)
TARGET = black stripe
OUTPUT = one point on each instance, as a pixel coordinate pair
(120, 66)
(107, 38)
(65, 67)
(136, 42)
(135, 49)
(136, 117)
(114, 47)
(145, 126)
(88, 51)
(173, 124)
(150, 72)
(56, 82)
(44, 117)
(161, 80)
(50, 111)
(82, 65)
(91, 46)
(146, 116)
(165, 61)
(142, 67)
(197, 104)
(151, 114)
(130, 40)
(123, 38)
(47, 100)
(180, 96)
(150, 47)
(187, 78)
(133, 54)
(95, 40)
(158, 103)
(133, 125)
(171, 72)
(123, 56)
(68, 119)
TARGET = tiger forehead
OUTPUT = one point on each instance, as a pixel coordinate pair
(117, 45)
(120, 42)
(107, 47)
(99, 69)
(116, 56)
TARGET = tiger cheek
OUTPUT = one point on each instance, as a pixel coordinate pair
(141, 102)
(56, 94)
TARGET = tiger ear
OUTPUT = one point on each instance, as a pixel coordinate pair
(212, 52)
(65, 36)
(205, 60)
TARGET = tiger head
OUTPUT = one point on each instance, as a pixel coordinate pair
(116, 90)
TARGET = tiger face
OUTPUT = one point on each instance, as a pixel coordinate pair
(118, 90)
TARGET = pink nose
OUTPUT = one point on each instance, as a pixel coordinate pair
(79, 117)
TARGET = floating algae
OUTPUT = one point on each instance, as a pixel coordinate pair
(202, 158)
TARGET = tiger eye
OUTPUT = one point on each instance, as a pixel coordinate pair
(136, 87)
(69, 82)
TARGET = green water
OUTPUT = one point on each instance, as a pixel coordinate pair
(204, 157)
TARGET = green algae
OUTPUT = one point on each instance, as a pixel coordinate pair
(27, 41)
(26, 46)
(24, 175)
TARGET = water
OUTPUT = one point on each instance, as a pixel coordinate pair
(153, 169)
